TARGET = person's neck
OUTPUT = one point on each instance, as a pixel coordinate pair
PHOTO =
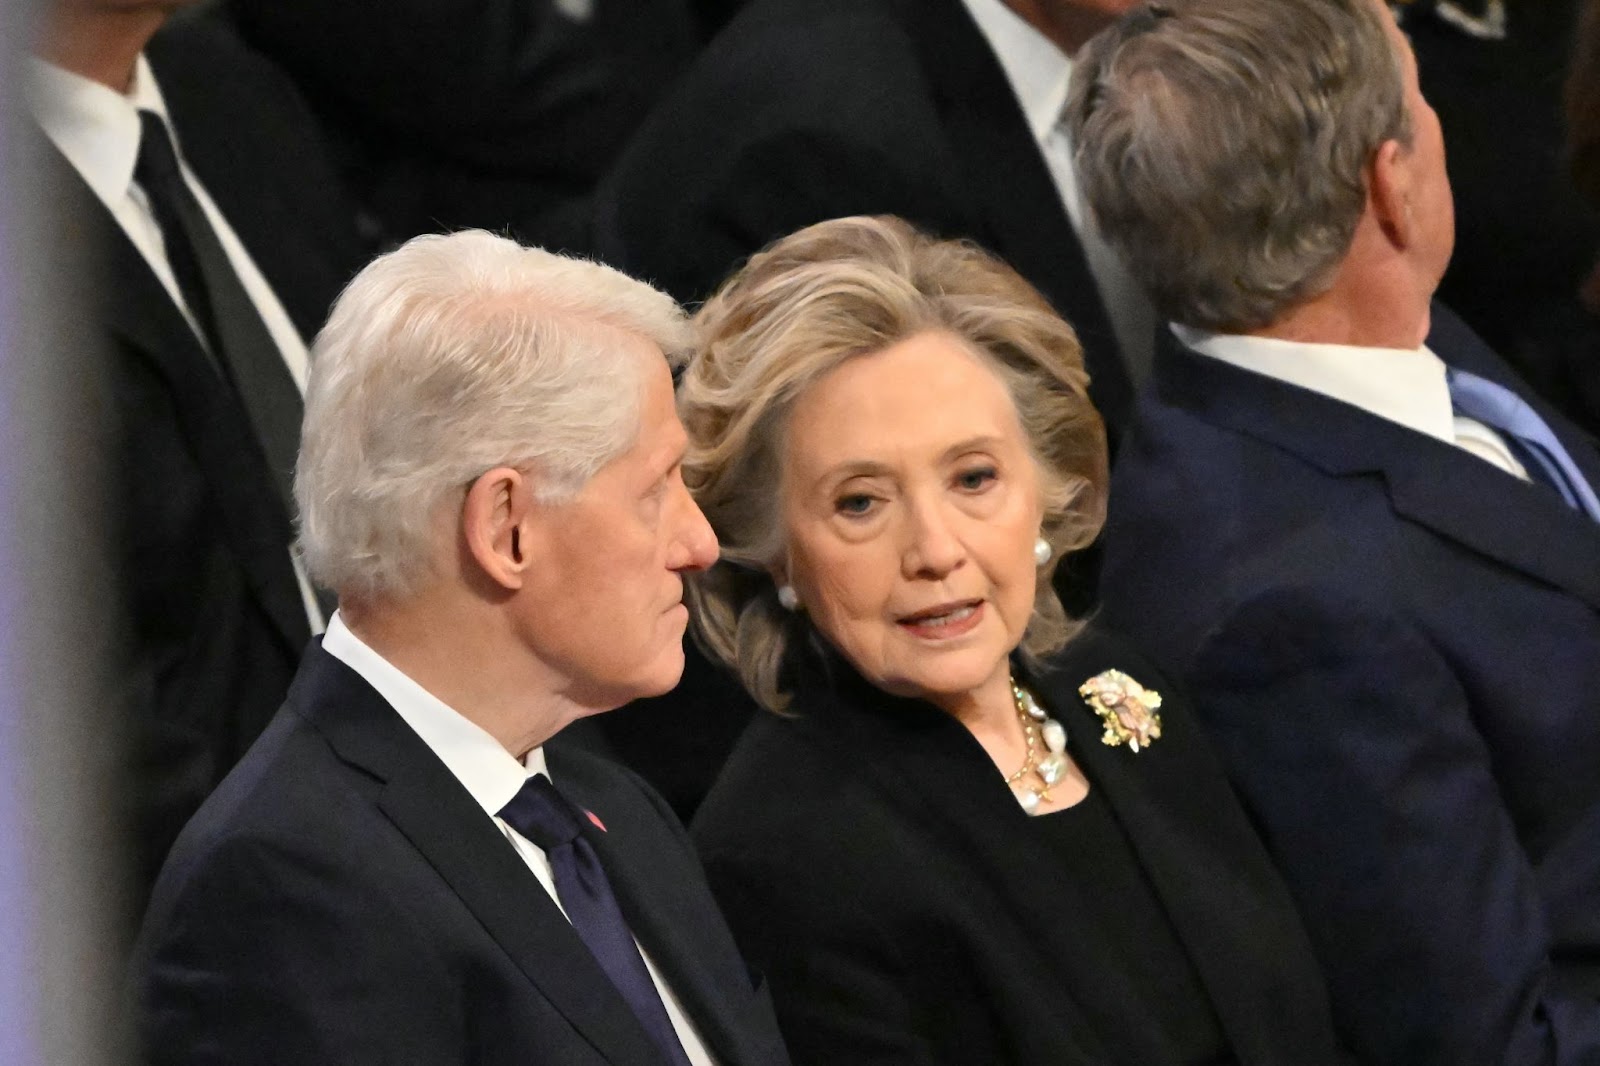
(989, 711)
(463, 656)
(1066, 25)
(1367, 306)
(100, 45)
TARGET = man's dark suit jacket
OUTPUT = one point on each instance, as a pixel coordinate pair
(500, 114)
(341, 898)
(874, 864)
(806, 110)
(1397, 648)
(209, 605)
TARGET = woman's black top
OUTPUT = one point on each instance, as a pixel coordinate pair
(1113, 893)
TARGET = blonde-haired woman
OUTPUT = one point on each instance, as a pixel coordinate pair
(973, 832)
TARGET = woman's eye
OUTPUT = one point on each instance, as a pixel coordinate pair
(977, 479)
(853, 505)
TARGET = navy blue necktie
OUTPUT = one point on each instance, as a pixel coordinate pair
(554, 825)
(1546, 459)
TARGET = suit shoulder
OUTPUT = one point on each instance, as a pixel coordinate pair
(783, 793)
(1097, 648)
(276, 800)
(842, 72)
(198, 56)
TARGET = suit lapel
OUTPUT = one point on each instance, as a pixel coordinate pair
(1433, 484)
(138, 311)
(1199, 854)
(1182, 821)
(652, 900)
(942, 781)
(1013, 195)
(462, 843)
(1455, 343)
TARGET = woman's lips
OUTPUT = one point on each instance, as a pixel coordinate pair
(946, 621)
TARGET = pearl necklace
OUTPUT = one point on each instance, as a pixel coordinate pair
(1031, 785)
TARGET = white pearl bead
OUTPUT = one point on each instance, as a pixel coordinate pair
(1029, 801)
(1055, 737)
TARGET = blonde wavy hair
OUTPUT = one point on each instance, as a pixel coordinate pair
(826, 294)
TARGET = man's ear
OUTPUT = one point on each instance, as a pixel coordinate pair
(1389, 184)
(494, 525)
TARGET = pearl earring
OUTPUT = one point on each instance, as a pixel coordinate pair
(787, 597)
(1041, 551)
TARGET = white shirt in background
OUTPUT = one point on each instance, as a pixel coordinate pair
(98, 131)
(1040, 74)
(1404, 386)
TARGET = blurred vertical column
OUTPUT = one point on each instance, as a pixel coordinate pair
(62, 937)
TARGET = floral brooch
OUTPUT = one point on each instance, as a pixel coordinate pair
(1131, 713)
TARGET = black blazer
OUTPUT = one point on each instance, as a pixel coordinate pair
(1396, 647)
(501, 114)
(341, 898)
(207, 601)
(805, 110)
(873, 862)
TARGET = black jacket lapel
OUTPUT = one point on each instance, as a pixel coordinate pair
(1184, 824)
(1200, 855)
(941, 778)
(440, 818)
(661, 907)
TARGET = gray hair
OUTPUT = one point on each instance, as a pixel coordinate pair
(448, 357)
(1222, 146)
(805, 305)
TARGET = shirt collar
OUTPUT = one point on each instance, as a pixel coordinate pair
(1405, 386)
(94, 126)
(483, 766)
(1039, 72)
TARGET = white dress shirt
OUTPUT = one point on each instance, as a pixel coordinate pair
(490, 773)
(1404, 386)
(1040, 74)
(97, 129)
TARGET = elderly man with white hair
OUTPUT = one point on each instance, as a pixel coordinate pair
(402, 869)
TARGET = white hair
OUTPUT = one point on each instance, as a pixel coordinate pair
(448, 357)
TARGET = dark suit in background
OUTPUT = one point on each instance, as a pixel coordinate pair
(1525, 238)
(213, 616)
(499, 114)
(906, 910)
(805, 110)
(343, 899)
(1396, 646)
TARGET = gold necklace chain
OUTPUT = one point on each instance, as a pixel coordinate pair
(1030, 730)
(1037, 727)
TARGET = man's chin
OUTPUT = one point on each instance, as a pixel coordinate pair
(661, 678)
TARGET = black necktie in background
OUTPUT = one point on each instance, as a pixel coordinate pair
(240, 344)
(546, 818)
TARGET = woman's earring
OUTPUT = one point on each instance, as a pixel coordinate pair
(1041, 552)
(787, 598)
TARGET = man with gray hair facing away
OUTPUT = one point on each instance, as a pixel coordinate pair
(1370, 552)
(402, 869)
